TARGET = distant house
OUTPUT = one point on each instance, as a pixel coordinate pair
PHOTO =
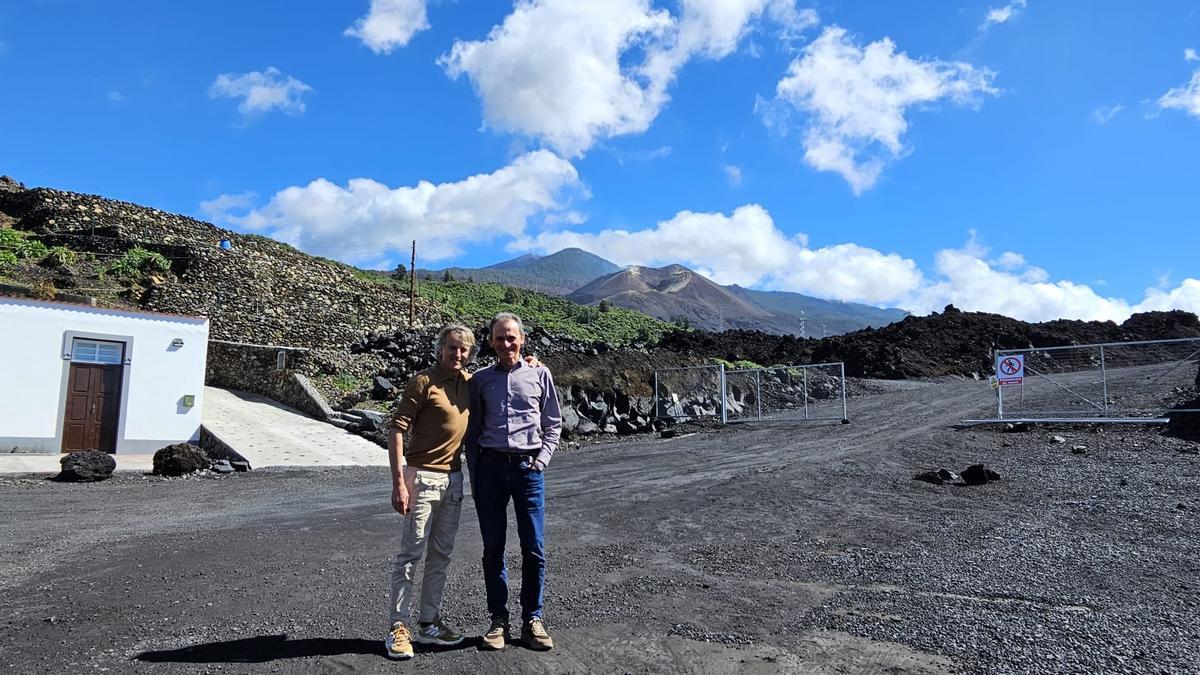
(75, 377)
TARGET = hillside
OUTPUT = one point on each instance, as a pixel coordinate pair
(260, 291)
(556, 274)
(676, 293)
(813, 317)
(951, 342)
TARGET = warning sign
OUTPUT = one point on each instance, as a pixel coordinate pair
(1010, 369)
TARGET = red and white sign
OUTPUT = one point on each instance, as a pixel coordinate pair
(1010, 369)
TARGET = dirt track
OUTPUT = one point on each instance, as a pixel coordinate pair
(751, 549)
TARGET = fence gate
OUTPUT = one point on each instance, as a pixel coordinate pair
(690, 392)
(807, 392)
(1111, 382)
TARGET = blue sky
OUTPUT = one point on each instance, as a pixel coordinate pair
(1032, 158)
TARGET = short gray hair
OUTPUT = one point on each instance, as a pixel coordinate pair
(459, 330)
(506, 317)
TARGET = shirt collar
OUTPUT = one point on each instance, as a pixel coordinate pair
(443, 373)
(520, 364)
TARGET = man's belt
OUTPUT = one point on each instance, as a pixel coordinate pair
(506, 456)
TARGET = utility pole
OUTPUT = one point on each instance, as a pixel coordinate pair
(412, 287)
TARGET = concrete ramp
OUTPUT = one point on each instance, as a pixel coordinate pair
(268, 433)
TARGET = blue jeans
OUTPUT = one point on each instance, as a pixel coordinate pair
(492, 485)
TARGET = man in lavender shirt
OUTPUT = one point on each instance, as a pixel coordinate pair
(512, 432)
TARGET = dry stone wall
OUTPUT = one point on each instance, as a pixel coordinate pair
(260, 291)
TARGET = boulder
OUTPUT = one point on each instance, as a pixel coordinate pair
(624, 426)
(586, 426)
(1078, 449)
(948, 475)
(88, 466)
(383, 389)
(180, 459)
(222, 466)
(978, 474)
(369, 419)
(929, 477)
(570, 419)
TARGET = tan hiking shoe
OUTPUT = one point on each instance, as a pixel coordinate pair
(535, 636)
(399, 643)
(496, 636)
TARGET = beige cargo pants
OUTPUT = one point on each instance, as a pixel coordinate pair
(435, 501)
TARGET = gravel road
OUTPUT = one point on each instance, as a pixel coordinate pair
(766, 548)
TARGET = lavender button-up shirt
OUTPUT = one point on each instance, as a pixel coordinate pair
(514, 410)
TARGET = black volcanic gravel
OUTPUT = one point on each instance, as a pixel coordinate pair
(749, 548)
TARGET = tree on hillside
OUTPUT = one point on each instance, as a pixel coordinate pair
(605, 305)
(447, 276)
(400, 272)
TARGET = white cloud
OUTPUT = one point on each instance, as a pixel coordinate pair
(262, 91)
(389, 24)
(115, 96)
(1104, 114)
(998, 15)
(746, 248)
(733, 174)
(856, 100)
(1011, 287)
(569, 73)
(219, 208)
(363, 221)
(1185, 97)
(1190, 55)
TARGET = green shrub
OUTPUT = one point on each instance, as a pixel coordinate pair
(32, 249)
(9, 238)
(136, 262)
(59, 257)
(7, 258)
(477, 303)
(346, 382)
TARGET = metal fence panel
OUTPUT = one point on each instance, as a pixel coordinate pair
(689, 393)
(801, 392)
(1101, 382)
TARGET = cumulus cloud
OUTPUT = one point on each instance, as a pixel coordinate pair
(1190, 55)
(856, 99)
(746, 248)
(1104, 114)
(570, 73)
(389, 24)
(998, 15)
(115, 96)
(1185, 97)
(1009, 285)
(262, 91)
(364, 220)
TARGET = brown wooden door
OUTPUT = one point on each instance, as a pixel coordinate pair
(93, 407)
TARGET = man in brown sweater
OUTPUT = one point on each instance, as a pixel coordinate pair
(427, 489)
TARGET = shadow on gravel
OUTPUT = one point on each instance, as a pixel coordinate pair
(266, 648)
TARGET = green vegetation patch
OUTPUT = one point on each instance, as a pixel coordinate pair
(136, 262)
(475, 303)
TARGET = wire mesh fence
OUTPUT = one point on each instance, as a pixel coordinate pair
(1123, 381)
(689, 393)
(802, 392)
(807, 392)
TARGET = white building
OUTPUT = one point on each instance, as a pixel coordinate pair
(76, 377)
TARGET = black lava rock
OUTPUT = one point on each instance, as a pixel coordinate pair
(180, 459)
(88, 466)
(929, 477)
(978, 474)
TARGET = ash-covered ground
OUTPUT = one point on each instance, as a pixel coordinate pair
(779, 547)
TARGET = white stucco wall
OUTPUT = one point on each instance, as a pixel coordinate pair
(34, 365)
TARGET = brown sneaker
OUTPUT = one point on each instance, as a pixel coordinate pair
(399, 643)
(496, 636)
(535, 636)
